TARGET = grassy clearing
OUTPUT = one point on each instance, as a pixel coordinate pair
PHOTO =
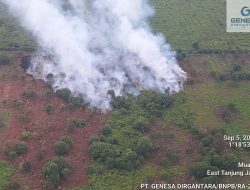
(6, 170)
(208, 98)
(114, 180)
(196, 21)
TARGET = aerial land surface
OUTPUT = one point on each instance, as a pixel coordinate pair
(152, 138)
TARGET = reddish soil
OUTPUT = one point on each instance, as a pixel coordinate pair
(180, 141)
(47, 127)
(187, 65)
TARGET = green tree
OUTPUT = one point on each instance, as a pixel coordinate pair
(63, 146)
(102, 151)
(55, 170)
(144, 146)
(199, 169)
(64, 93)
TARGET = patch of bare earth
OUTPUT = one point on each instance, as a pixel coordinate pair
(48, 128)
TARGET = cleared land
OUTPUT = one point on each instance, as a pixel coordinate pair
(163, 141)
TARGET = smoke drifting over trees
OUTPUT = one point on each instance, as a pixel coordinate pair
(93, 46)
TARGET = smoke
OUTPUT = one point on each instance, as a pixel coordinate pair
(93, 46)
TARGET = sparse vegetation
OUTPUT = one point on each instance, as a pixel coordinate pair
(26, 167)
(74, 123)
(13, 185)
(2, 124)
(173, 156)
(15, 149)
(48, 108)
(25, 62)
(18, 103)
(64, 93)
(41, 154)
(25, 135)
(165, 175)
(23, 117)
(29, 94)
(4, 60)
(207, 108)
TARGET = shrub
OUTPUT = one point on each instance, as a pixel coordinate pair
(82, 122)
(93, 139)
(13, 185)
(15, 149)
(236, 67)
(188, 151)
(173, 156)
(55, 170)
(73, 124)
(50, 78)
(26, 167)
(23, 117)
(66, 140)
(141, 125)
(144, 146)
(18, 103)
(2, 125)
(165, 175)
(20, 147)
(199, 169)
(181, 55)
(226, 116)
(63, 146)
(29, 94)
(195, 45)
(206, 141)
(217, 130)
(4, 60)
(26, 62)
(102, 151)
(111, 93)
(11, 154)
(128, 161)
(119, 102)
(28, 135)
(196, 133)
(213, 74)
(190, 82)
(106, 131)
(64, 93)
(41, 154)
(232, 108)
(48, 108)
(154, 104)
(226, 162)
(77, 101)
(164, 163)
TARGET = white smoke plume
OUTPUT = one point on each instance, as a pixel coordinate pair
(92, 46)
